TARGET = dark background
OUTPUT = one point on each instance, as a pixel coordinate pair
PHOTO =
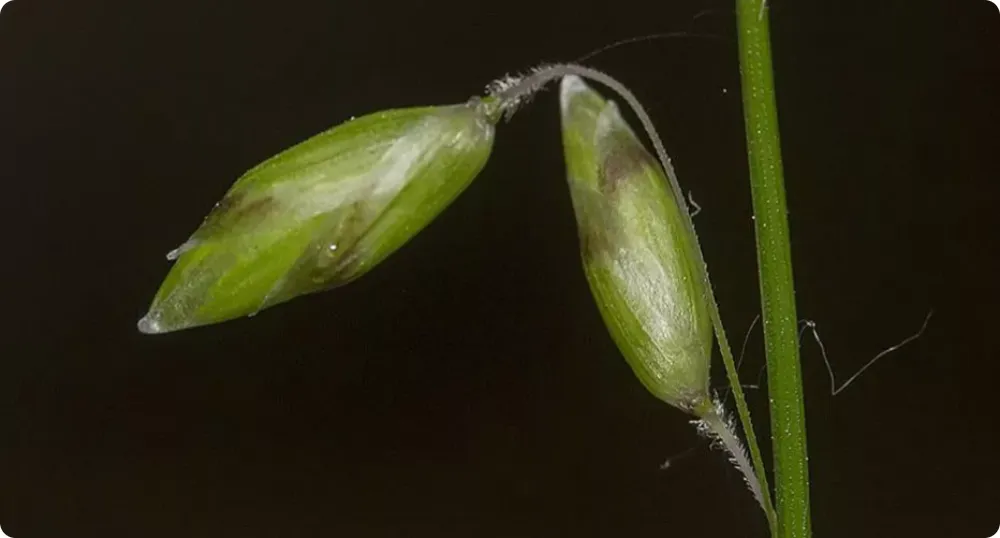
(467, 386)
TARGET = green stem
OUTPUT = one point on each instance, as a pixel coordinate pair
(788, 422)
(742, 410)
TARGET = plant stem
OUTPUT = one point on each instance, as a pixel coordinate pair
(742, 410)
(716, 425)
(788, 423)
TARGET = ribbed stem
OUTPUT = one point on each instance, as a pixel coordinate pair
(788, 421)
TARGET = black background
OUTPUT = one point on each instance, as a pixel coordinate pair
(467, 386)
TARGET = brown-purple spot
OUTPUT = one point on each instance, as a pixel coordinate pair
(621, 163)
(594, 227)
(234, 211)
